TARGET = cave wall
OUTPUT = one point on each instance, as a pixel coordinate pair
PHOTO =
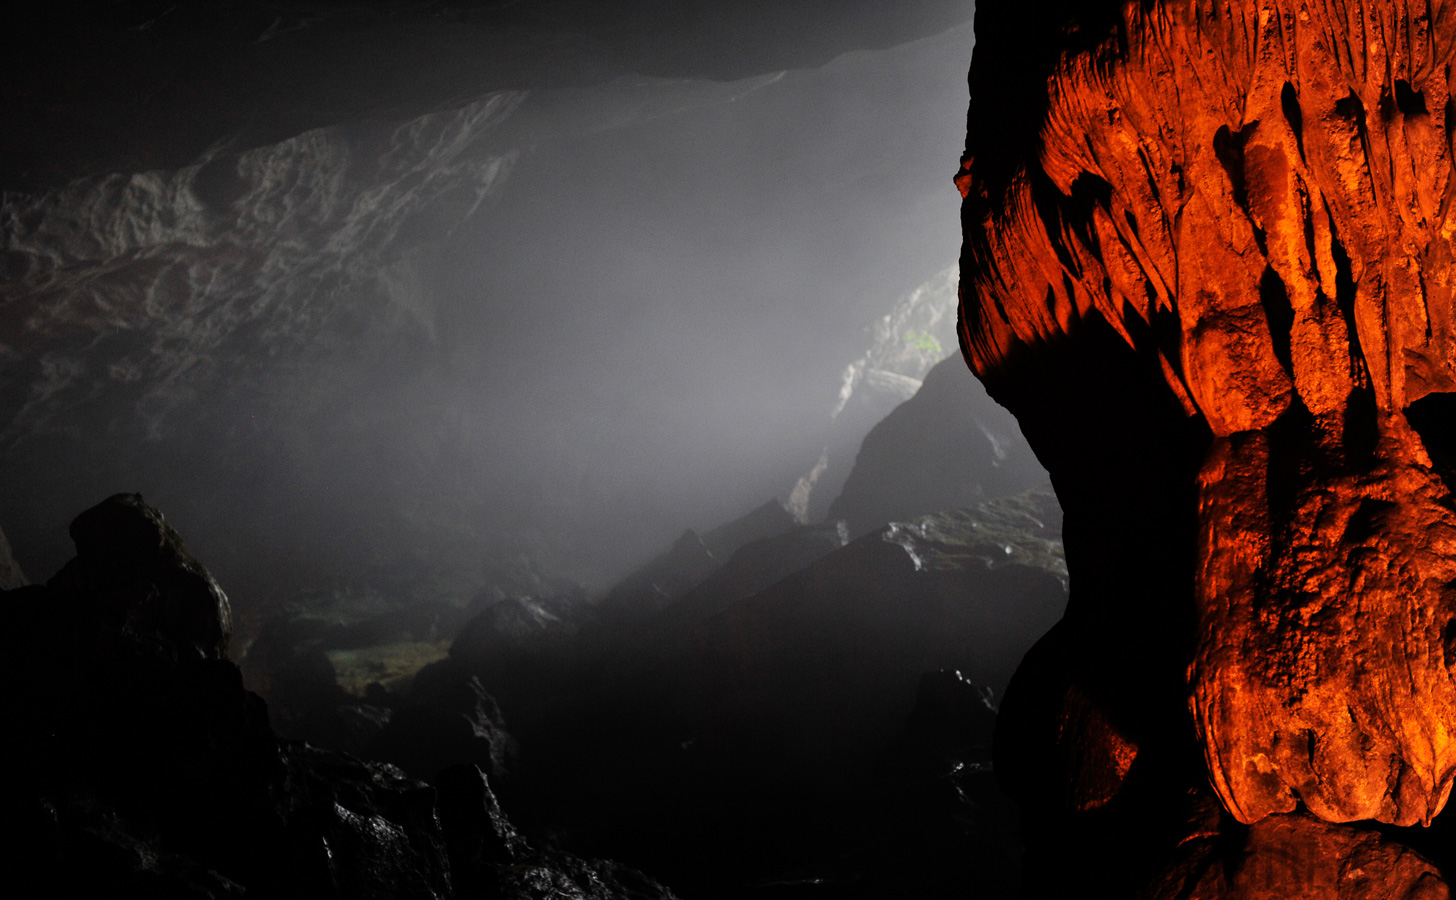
(1207, 263)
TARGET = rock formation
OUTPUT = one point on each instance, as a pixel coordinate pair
(946, 447)
(1208, 264)
(147, 770)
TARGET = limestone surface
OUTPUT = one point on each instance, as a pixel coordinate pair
(1208, 263)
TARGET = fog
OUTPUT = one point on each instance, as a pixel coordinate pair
(660, 312)
(557, 324)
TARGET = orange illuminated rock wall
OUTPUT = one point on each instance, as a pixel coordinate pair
(1208, 264)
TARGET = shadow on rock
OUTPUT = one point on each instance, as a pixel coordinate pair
(153, 772)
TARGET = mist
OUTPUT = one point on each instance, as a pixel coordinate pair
(558, 325)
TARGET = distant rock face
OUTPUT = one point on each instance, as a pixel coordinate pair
(1208, 264)
(946, 447)
(693, 558)
(759, 565)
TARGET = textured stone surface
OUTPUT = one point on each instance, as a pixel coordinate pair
(1208, 263)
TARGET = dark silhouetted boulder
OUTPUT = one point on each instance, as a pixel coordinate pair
(665, 579)
(946, 447)
(765, 521)
(952, 716)
(135, 576)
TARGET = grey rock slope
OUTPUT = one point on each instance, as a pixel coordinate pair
(948, 446)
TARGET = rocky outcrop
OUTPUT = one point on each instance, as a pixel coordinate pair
(693, 558)
(1207, 265)
(943, 825)
(132, 577)
(814, 675)
(151, 771)
(455, 723)
(948, 446)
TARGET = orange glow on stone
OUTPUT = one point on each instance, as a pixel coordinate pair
(1231, 225)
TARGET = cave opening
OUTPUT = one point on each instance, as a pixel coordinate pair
(507, 449)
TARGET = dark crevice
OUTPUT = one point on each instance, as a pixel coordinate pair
(1049, 204)
(1448, 642)
(1289, 101)
(1089, 191)
(1361, 432)
(1364, 522)
(1345, 299)
(1410, 102)
(1275, 298)
(1351, 108)
(1291, 439)
(1434, 418)
(1168, 330)
(1228, 147)
(1449, 117)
